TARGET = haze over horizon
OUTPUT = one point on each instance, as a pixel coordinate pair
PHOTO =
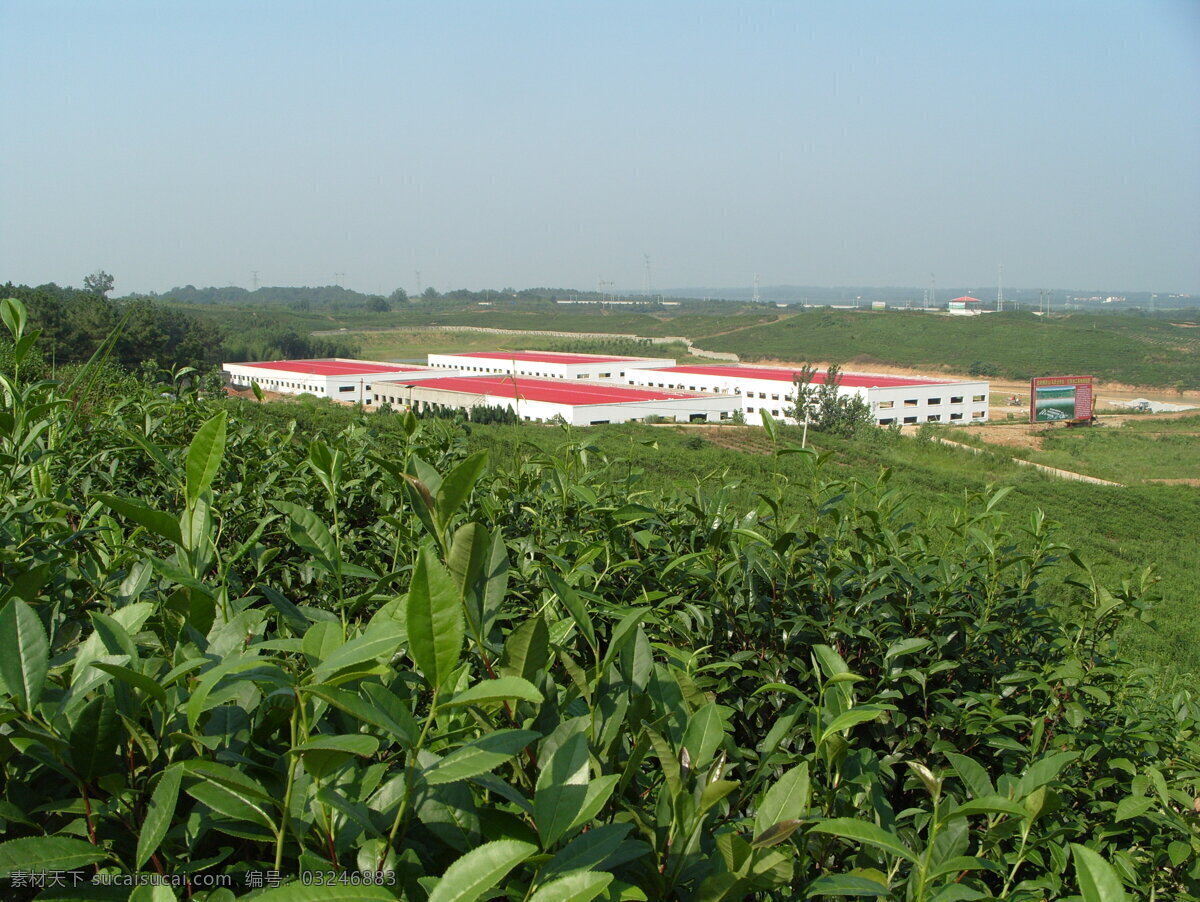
(864, 143)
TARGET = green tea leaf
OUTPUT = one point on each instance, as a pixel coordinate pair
(232, 802)
(25, 659)
(866, 832)
(972, 774)
(481, 869)
(1097, 879)
(478, 757)
(95, 735)
(853, 717)
(457, 485)
(561, 789)
(204, 457)
(159, 814)
(705, 730)
(498, 690)
(434, 619)
(786, 800)
(582, 886)
(165, 526)
(47, 853)
(309, 531)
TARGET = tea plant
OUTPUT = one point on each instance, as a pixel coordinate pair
(372, 667)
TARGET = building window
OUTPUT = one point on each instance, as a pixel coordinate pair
(956, 399)
(581, 375)
(606, 375)
(910, 402)
(750, 410)
(774, 397)
(345, 388)
(774, 413)
(935, 401)
(886, 405)
(887, 422)
(980, 414)
(977, 398)
(763, 395)
(934, 418)
(910, 419)
(956, 416)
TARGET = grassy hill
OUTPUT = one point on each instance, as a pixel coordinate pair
(1128, 349)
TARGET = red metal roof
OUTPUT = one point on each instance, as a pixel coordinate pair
(968, 300)
(778, 374)
(550, 390)
(543, 357)
(332, 367)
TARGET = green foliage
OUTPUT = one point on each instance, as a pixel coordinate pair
(233, 645)
(825, 407)
(1115, 348)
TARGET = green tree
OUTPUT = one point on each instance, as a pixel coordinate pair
(378, 304)
(399, 296)
(824, 405)
(99, 282)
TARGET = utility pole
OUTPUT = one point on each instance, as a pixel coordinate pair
(418, 283)
(254, 279)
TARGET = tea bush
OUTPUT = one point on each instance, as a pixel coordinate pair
(368, 667)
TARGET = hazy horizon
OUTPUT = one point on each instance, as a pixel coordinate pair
(856, 144)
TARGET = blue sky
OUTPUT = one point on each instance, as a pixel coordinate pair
(488, 144)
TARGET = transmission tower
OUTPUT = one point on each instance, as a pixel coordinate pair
(755, 297)
(337, 278)
(648, 284)
(254, 279)
(418, 282)
(1000, 288)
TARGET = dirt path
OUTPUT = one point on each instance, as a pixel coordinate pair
(1053, 471)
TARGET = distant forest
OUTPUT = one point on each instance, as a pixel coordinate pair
(75, 323)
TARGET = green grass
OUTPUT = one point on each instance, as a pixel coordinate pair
(1118, 531)
(1125, 349)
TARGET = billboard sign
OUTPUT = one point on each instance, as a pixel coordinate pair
(1054, 398)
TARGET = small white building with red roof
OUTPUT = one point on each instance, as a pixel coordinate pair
(962, 306)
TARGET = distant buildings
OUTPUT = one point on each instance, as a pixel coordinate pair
(592, 389)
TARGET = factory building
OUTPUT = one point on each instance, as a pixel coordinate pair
(893, 399)
(546, 364)
(542, 400)
(337, 378)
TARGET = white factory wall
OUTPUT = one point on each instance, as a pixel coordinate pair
(590, 372)
(934, 402)
(946, 402)
(710, 410)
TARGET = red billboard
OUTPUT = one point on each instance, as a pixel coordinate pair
(1054, 398)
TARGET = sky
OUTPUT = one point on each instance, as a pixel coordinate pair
(561, 143)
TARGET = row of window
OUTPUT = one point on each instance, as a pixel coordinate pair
(933, 418)
(913, 402)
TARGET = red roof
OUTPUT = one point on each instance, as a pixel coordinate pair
(550, 390)
(543, 357)
(968, 300)
(778, 374)
(332, 367)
